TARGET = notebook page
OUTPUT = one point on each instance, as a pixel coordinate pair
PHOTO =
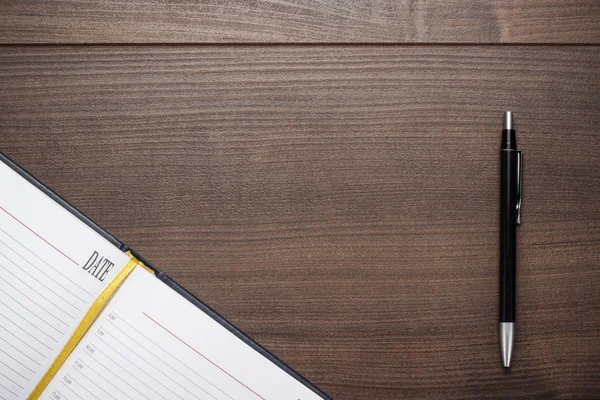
(52, 268)
(149, 343)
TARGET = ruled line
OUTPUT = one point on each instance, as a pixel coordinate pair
(45, 262)
(93, 383)
(36, 234)
(28, 298)
(10, 391)
(115, 375)
(62, 396)
(15, 383)
(15, 371)
(35, 291)
(19, 350)
(72, 391)
(133, 376)
(167, 364)
(32, 313)
(19, 362)
(87, 366)
(38, 281)
(22, 341)
(81, 386)
(28, 333)
(203, 356)
(165, 352)
(150, 364)
(20, 316)
(138, 367)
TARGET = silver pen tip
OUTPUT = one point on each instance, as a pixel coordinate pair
(507, 341)
(508, 120)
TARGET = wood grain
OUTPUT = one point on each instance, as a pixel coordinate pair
(340, 204)
(300, 21)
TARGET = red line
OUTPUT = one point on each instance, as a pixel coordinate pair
(35, 233)
(203, 356)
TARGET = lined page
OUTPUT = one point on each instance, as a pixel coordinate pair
(52, 268)
(150, 343)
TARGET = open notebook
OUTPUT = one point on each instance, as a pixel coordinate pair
(82, 318)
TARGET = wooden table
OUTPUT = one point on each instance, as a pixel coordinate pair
(325, 174)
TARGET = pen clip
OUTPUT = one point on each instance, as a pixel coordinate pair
(519, 184)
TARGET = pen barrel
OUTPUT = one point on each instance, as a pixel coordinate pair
(508, 233)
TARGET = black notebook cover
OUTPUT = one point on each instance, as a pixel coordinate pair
(162, 276)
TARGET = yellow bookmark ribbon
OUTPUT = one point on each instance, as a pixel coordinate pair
(84, 325)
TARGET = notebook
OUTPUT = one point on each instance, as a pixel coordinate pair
(82, 316)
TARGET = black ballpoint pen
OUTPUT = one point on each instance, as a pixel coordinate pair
(511, 187)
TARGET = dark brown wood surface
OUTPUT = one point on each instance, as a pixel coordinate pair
(300, 21)
(340, 203)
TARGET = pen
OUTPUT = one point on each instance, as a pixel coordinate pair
(511, 186)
